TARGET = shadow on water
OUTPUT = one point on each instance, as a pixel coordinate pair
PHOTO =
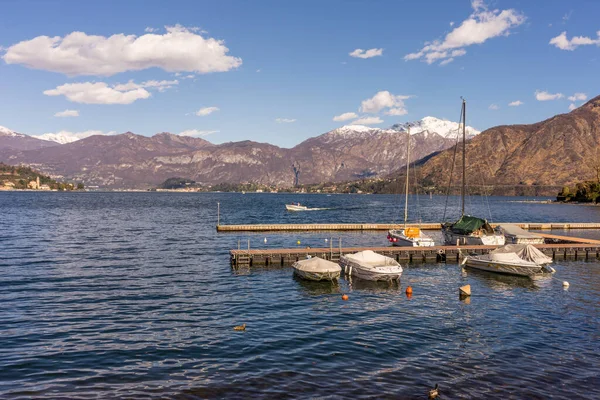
(317, 288)
(372, 286)
(502, 281)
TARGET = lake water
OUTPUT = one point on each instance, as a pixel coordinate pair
(109, 295)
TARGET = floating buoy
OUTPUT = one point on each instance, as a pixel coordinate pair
(265, 240)
(409, 296)
(465, 290)
(240, 327)
(298, 242)
(344, 297)
(326, 240)
(565, 284)
(409, 290)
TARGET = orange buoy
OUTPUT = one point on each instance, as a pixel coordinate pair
(408, 290)
(409, 296)
(344, 297)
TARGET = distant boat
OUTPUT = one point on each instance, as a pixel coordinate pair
(296, 207)
(408, 236)
(512, 259)
(317, 269)
(469, 230)
(371, 266)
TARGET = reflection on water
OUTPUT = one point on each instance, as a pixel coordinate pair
(317, 288)
(372, 286)
(503, 282)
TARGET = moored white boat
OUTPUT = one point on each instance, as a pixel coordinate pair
(317, 269)
(409, 237)
(471, 231)
(513, 259)
(516, 235)
(371, 266)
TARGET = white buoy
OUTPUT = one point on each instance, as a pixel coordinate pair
(565, 284)
(265, 240)
(326, 240)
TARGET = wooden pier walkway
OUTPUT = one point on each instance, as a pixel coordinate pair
(385, 227)
(445, 254)
(566, 248)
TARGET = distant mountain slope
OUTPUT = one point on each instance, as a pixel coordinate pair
(10, 139)
(557, 151)
(129, 160)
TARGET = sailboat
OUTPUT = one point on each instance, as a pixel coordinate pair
(408, 236)
(469, 230)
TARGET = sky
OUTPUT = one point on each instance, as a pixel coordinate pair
(283, 71)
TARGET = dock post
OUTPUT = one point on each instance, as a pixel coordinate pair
(218, 214)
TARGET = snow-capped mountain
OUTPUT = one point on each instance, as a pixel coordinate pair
(60, 137)
(442, 127)
(8, 132)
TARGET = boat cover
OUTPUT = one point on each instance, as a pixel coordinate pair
(467, 225)
(525, 252)
(519, 233)
(372, 258)
(317, 265)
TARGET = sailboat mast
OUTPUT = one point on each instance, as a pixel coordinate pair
(407, 169)
(464, 150)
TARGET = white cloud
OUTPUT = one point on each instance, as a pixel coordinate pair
(515, 103)
(451, 23)
(258, 70)
(572, 107)
(179, 49)
(196, 133)
(206, 111)
(345, 116)
(367, 121)
(578, 97)
(396, 111)
(67, 113)
(567, 16)
(562, 42)
(545, 96)
(481, 25)
(97, 93)
(360, 53)
(447, 61)
(161, 86)
(149, 29)
(68, 136)
(382, 100)
(493, 107)
(284, 120)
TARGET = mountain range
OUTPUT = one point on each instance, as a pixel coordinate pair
(561, 150)
(129, 160)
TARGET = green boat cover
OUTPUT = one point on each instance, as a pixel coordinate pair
(467, 225)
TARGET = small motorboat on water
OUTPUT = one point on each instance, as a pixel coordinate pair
(513, 259)
(295, 207)
(317, 269)
(371, 266)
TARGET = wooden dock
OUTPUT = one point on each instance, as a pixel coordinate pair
(385, 227)
(443, 254)
(570, 248)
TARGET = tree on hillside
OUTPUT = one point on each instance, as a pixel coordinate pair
(594, 163)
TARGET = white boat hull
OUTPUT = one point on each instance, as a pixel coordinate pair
(452, 238)
(317, 276)
(294, 207)
(389, 270)
(484, 264)
(397, 238)
(317, 269)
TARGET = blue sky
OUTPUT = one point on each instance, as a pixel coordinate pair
(289, 61)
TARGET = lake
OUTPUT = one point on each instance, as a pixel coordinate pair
(131, 295)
